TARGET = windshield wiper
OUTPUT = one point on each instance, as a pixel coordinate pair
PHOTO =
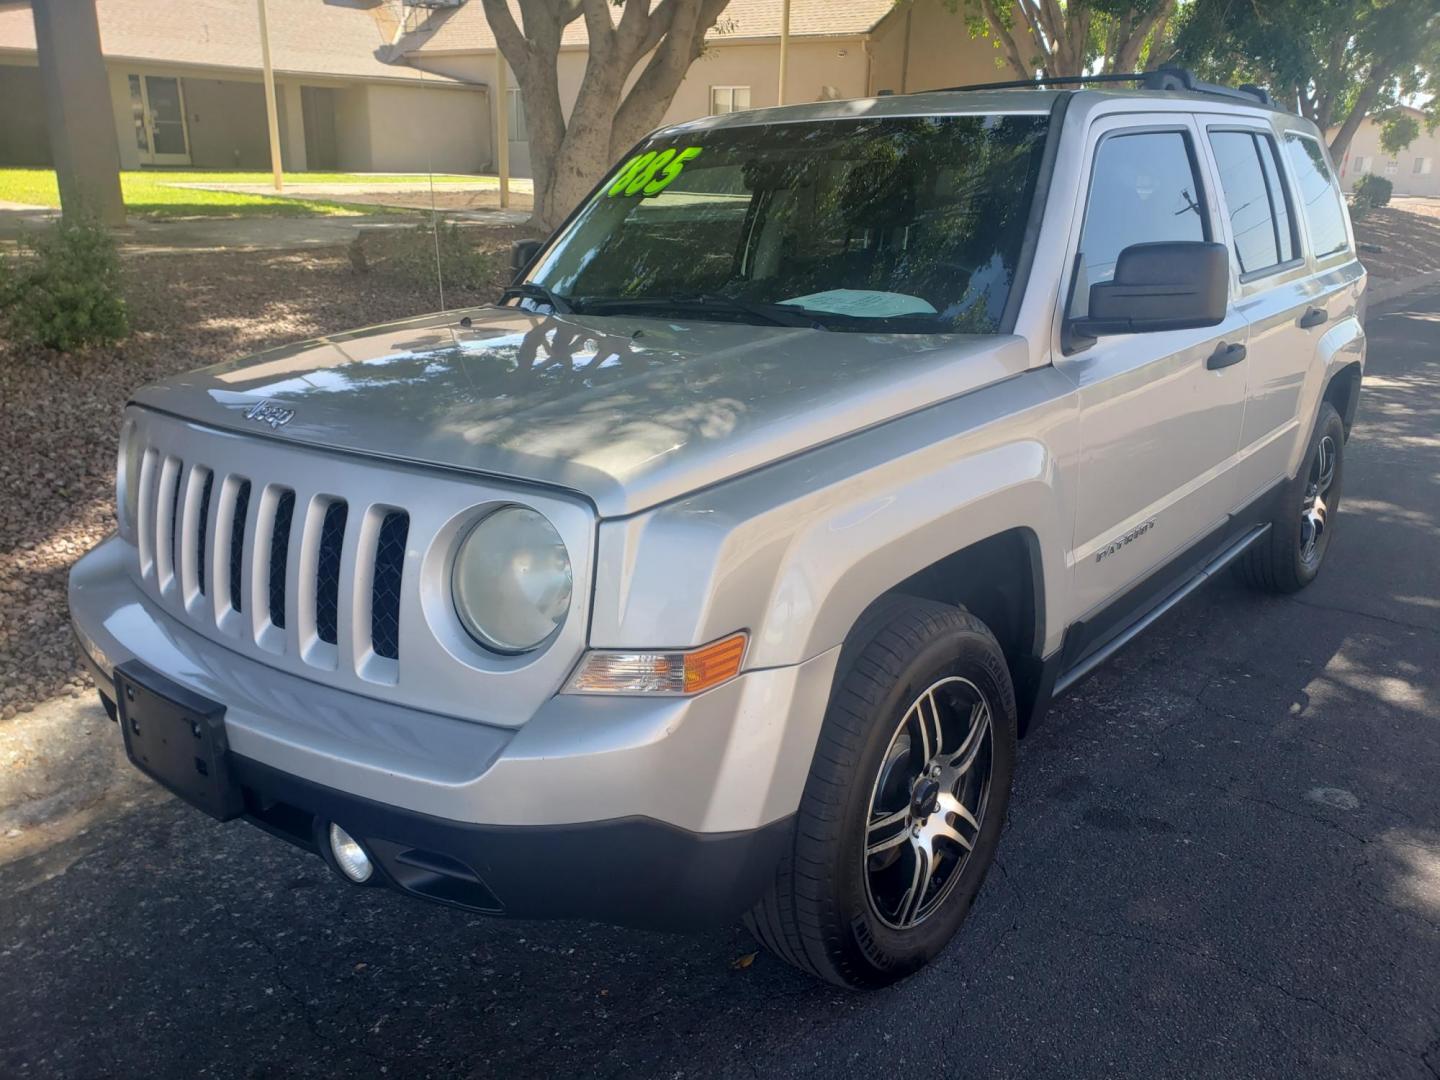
(535, 291)
(770, 314)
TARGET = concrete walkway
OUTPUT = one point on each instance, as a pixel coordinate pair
(243, 233)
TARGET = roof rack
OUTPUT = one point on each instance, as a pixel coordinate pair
(1165, 77)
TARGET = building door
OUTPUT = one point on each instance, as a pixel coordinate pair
(157, 106)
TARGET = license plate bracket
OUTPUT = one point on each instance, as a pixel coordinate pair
(177, 738)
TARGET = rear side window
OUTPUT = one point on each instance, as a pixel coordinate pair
(1254, 198)
(1324, 215)
(1143, 189)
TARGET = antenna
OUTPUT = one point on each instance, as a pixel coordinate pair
(404, 27)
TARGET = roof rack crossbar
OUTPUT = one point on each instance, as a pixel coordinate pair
(1165, 77)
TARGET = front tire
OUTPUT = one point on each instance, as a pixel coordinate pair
(907, 793)
(1289, 557)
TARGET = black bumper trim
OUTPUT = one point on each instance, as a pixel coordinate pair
(628, 871)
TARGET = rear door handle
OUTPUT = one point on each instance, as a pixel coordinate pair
(1225, 355)
(1313, 317)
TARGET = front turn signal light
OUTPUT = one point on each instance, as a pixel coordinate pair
(679, 672)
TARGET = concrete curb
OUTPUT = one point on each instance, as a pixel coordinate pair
(1390, 290)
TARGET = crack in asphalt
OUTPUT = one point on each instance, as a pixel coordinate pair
(1361, 615)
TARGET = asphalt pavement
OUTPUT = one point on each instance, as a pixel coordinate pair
(1223, 859)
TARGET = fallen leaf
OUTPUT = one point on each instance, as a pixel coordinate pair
(744, 961)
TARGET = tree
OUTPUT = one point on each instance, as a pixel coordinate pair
(1336, 61)
(569, 157)
(1397, 131)
(1070, 37)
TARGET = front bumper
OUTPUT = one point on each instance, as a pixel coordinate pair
(659, 812)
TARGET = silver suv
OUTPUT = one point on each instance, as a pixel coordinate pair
(717, 569)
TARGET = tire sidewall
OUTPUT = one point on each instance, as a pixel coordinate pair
(1327, 423)
(889, 954)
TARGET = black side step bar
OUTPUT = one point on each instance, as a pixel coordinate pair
(1089, 663)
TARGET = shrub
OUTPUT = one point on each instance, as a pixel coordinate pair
(64, 293)
(1370, 192)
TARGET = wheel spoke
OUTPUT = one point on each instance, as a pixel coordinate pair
(950, 804)
(964, 758)
(1326, 463)
(919, 885)
(886, 821)
(926, 714)
(949, 832)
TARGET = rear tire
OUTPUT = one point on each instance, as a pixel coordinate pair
(914, 761)
(1289, 557)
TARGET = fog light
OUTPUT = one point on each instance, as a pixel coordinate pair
(350, 856)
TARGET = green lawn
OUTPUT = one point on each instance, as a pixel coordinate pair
(150, 193)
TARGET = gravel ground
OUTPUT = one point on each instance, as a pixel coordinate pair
(61, 417)
(1407, 233)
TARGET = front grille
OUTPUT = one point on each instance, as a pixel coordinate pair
(327, 573)
(237, 543)
(203, 530)
(178, 495)
(280, 556)
(385, 593)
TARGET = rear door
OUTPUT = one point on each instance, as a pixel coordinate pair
(1277, 294)
(1159, 427)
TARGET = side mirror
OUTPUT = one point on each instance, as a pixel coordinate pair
(522, 254)
(1169, 285)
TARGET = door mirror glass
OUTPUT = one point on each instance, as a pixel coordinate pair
(1169, 285)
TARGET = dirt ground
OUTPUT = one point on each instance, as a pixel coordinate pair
(1407, 233)
(61, 413)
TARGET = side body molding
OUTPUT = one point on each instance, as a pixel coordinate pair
(796, 551)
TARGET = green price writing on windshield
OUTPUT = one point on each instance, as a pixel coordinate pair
(651, 172)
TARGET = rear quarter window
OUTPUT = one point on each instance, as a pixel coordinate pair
(1319, 196)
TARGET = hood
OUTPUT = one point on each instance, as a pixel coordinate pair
(628, 412)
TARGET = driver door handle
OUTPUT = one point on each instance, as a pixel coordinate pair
(1313, 317)
(1225, 355)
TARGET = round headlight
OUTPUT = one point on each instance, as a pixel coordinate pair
(512, 580)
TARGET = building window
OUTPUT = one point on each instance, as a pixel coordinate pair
(1361, 165)
(518, 131)
(725, 99)
(1422, 166)
(1392, 167)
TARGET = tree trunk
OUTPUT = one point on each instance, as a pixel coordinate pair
(568, 157)
(1363, 102)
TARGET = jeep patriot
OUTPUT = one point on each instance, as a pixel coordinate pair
(716, 569)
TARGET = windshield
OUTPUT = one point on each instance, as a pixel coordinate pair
(907, 224)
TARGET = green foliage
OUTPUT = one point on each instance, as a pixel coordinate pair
(1397, 131)
(1372, 191)
(64, 292)
(1325, 58)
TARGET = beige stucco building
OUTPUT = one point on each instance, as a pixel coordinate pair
(185, 89)
(1414, 170)
(838, 49)
(381, 85)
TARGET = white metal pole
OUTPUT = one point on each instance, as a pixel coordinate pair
(271, 113)
(784, 47)
(502, 126)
